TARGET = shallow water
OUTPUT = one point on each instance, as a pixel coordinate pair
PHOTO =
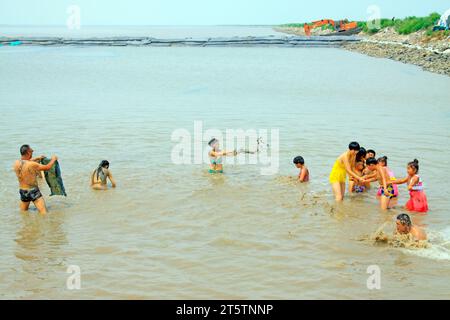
(173, 231)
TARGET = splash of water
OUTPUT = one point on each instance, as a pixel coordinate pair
(437, 247)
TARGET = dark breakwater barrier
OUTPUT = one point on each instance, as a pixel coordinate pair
(251, 41)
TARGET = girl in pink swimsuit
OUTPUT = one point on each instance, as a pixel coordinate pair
(383, 162)
(418, 200)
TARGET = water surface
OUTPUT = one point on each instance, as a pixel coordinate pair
(172, 231)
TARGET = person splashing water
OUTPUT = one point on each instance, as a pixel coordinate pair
(406, 234)
(216, 156)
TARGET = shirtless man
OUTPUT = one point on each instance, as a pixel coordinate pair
(405, 226)
(27, 169)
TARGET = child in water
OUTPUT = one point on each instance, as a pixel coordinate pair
(357, 186)
(367, 173)
(370, 154)
(216, 156)
(387, 194)
(382, 161)
(303, 175)
(418, 200)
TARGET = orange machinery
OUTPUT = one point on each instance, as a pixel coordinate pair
(339, 26)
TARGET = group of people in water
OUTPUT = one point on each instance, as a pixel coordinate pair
(362, 168)
(359, 164)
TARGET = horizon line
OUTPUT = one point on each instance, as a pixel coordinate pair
(142, 25)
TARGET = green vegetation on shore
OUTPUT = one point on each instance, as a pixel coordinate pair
(403, 26)
(292, 25)
(301, 25)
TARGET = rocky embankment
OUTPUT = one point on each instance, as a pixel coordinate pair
(429, 59)
(432, 53)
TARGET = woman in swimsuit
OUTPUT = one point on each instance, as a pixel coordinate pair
(100, 175)
(418, 200)
(216, 156)
(343, 166)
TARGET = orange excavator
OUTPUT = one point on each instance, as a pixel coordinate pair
(340, 26)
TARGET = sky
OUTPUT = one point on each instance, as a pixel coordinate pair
(207, 12)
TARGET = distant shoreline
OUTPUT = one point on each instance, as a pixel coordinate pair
(411, 40)
(431, 54)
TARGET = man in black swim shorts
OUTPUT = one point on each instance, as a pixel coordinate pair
(30, 195)
(27, 170)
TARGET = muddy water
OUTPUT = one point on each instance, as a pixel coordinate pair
(172, 231)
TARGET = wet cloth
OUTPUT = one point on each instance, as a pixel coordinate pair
(102, 175)
(54, 179)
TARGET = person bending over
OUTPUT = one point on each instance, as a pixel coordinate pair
(100, 176)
